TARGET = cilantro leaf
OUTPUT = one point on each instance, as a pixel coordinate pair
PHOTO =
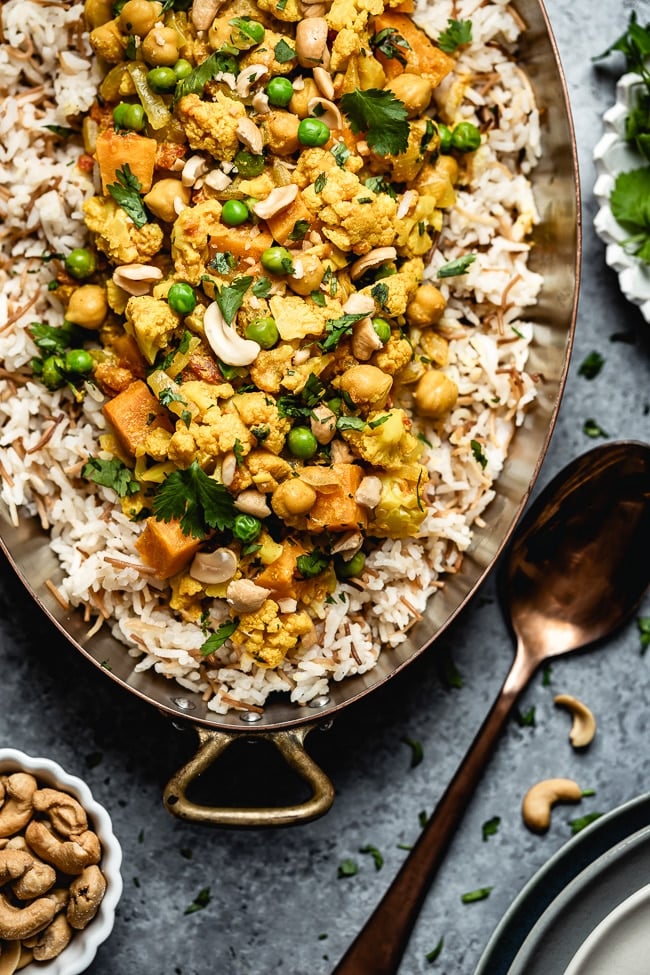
(111, 474)
(459, 266)
(643, 626)
(223, 262)
(526, 719)
(417, 752)
(374, 853)
(577, 825)
(458, 32)
(262, 287)
(347, 868)
(336, 328)
(300, 228)
(434, 953)
(201, 900)
(593, 429)
(126, 193)
(382, 117)
(63, 131)
(490, 827)
(217, 63)
(217, 639)
(591, 365)
(388, 42)
(630, 203)
(283, 52)
(313, 564)
(51, 339)
(350, 423)
(230, 297)
(199, 502)
(477, 452)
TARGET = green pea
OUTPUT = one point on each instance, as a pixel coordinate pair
(279, 91)
(182, 69)
(264, 331)
(302, 443)
(134, 117)
(444, 132)
(246, 528)
(466, 137)
(78, 361)
(248, 163)
(234, 212)
(335, 405)
(353, 567)
(52, 373)
(80, 263)
(162, 80)
(246, 33)
(181, 297)
(277, 260)
(313, 132)
(382, 328)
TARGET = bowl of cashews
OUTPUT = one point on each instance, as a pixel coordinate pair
(60, 863)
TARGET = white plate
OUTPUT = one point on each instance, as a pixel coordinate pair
(620, 945)
(612, 156)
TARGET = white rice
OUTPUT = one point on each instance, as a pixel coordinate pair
(41, 192)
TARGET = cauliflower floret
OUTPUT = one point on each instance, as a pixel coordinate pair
(152, 323)
(182, 446)
(297, 318)
(423, 138)
(212, 126)
(400, 287)
(385, 441)
(156, 444)
(352, 14)
(346, 43)
(205, 396)
(265, 53)
(267, 636)
(396, 354)
(117, 236)
(297, 376)
(350, 224)
(270, 368)
(223, 433)
(400, 511)
(291, 11)
(190, 236)
(413, 237)
(186, 597)
(260, 413)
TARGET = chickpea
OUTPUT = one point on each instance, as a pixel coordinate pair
(313, 274)
(367, 386)
(281, 133)
(415, 92)
(447, 165)
(426, 307)
(108, 43)
(293, 497)
(98, 12)
(300, 99)
(160, 47)
(88, 306)
(139, 16)
(162, 196)
(435, 394)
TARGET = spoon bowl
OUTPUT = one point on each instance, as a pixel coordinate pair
(574, 572)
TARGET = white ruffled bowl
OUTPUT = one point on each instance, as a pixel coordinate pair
(78, 955)
(612, 156)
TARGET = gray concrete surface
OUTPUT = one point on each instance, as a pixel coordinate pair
(277, 904)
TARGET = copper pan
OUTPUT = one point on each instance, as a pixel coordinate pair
(556, 256)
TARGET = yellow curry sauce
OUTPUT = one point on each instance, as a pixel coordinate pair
(272, 182)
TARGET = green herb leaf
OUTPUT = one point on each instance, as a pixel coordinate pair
(391, 44)
(198, 501)
(546, 675)
(379, 184)
(458, 32)
(526, 719)
(381, 116)
(434, 953)
(630, 203)
(299, 231)
(490, 828)
(477, 453)
(375, 854)
(579, 824)
(453, 268)
(476, 895)
(261, 287)
(591, 365)
(111, 474)
(320, 183)
(283, 52)
(643, 625)
(592, 429)
(380, 293)
(450, 674)
(223, 262)
(201, 900)
(217, 63)
(217, 639)
(230, 297)
(126, 193)
(318, 298)
(347, 868)
(341, 153)
(417, 752)
(336, 328)
(50, 338)
(350, 423)
(64, 131)
(313, 564)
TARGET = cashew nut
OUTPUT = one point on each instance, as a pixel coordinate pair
(245, 597)
(372, 259)
(248, 133)
(224, 341)
(365, 340)
(329, 112)
(9, 957)
(86, 893)
(583, 728)
(195, 167)
(53, 939)
(228, 468)
(136, 279)
(68, 856)
(538, 801)
(64, 812)
(311, 41)
(35, 882)
(214, 567)
(17, 923)
(324, 82)
(17, 808)
(247, 78)
(323, 423)
(13, 864)
(359, 304)
(348, 545)
(251, 502)
(203, 13)
(369, 491)
(277, 200)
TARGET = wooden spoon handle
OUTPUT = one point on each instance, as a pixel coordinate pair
(379, 946)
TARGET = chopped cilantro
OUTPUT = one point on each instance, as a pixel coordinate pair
(169, 395)
(350, 423)
(490, 827)
(223, 262)
(261, 287)
(198, 501)
(347, 868)
(375, 854)
(526, 719)
(126, 193)
(318, 298)
(391, 44)
(381, 116)
(51, 339)
(459, 266)
(201, 900)
(591, 428)
(417, 752)
(63, 131)
(579, 824)
(111, 474)
(380, 293)
(218, 63)
(336, 328)
(450, 674)
(591, 365)
(341, 153)
(283, 52)
(313, 564)
(634, 44)
(458, 32)
(230, 297)
(320, 183)
(478, 453)
(476, 895)
(643, 626)
(373, 424)
(262, 432)
(423, 818)
(313, 391)
(546, 675)
(630, 203)
(299, 231)
(217, 639)
(379, 184)
(435, 952)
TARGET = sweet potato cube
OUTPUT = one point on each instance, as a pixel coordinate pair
(336, 510)
(281, 224)
(280, 575)
(133, 413)
(164, 547)
(422, 57)
(114, 149)
(239, 241)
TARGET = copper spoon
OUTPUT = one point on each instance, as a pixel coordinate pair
(575, 570)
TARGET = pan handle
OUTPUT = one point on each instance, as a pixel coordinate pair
(212, 744)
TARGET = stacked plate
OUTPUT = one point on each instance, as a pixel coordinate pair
(587, 911)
